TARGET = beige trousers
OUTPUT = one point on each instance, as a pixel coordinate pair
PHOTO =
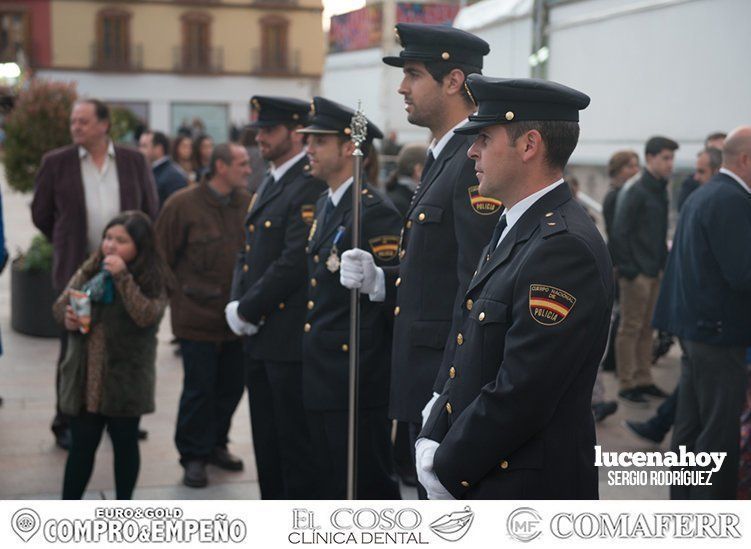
(633, 344)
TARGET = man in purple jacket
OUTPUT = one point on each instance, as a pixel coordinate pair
(78, 189)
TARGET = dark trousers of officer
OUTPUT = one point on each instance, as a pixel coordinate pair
(711, 396)
(375, 465)
(212, 388)
(284, 451)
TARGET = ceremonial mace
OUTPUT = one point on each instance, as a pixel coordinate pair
(359, 129)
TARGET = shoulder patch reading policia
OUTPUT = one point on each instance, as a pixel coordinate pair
(308, 213)
(384, 247)
(549, 305)
(482, 205)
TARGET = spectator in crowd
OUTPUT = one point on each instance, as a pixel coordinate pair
(167, 175)
(203, 145)
(639, 247)
(182, 155)
(708, 164)
(401, 185)
(200, 231)
(622, 166)
(257, 163)
(107, 377)
(691, 183)
(655, 429)
(711, 263)
(78, 189)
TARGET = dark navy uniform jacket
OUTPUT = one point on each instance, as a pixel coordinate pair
(269, 278)
(705, 294)
(445, 229)
(326, 337)
(514, 420)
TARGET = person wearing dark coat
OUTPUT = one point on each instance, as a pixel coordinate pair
(704, 299)
(448, 221)
(513, 420)
(326, 329)
(270, 292)
(639, 246)
(168, 176)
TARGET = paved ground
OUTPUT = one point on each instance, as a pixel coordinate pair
(31, 467)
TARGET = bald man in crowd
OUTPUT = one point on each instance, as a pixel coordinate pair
(711, 262)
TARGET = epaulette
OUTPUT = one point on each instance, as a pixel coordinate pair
(370, 197)
(552, 223)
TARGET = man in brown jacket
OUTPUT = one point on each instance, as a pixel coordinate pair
(78, 189)
(200, 231)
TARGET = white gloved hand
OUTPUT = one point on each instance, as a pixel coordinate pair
(424, 453)
(358, 270)
(238, 326)
(428, 407)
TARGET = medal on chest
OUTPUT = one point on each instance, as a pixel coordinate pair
(333, 262)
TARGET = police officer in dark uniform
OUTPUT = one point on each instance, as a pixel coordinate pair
(448, 221)
(326, 337)
(514, 420)
(269, 293)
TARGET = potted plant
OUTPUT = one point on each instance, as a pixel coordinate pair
(37, 124)
(31, 291)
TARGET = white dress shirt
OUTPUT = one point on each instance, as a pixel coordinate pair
(337, 195)
(437, 146)
(517, 210)
(101, 192)
(278, 172)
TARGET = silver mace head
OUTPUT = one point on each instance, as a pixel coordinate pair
(359, 127)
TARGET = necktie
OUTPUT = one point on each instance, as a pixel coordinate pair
(267, 183)
(497, 232)
(327, 209)
(428, 163)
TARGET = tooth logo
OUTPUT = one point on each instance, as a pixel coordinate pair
(25, 523)
(453, 526)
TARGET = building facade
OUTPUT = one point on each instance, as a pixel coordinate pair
(170, 61)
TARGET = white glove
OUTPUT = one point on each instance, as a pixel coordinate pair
(428, 407)
(358, 270)
(425, 449)
(238, 326)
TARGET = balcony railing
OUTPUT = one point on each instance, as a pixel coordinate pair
(261, 66)
(132, 60)
(209, 61)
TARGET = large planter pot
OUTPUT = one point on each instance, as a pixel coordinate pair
(31, 301)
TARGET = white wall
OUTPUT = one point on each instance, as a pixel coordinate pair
(362, 75)
(160, 90)
(672, 67)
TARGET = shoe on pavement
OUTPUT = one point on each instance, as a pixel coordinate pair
(652, 391)
(601, 410)
(643, 431)
(195, 474)
(633, 398)
(222, 458)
